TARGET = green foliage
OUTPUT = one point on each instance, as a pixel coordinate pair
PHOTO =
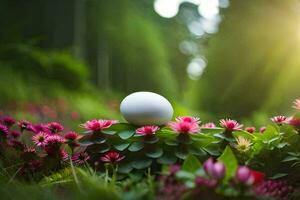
(230, 162)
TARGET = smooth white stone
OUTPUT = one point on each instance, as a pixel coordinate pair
(146, 108)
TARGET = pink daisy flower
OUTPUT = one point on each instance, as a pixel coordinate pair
(98, 125)
(297, 104)
(55, 127)
(208, 125)
(188, 119)
(184, 127)
(8, 121)
(40, 139)
(250, 129)
(112, 157)
(25, 125)
(41, 128)
(71, 136)
(80, 158)
(147, 130)
(54, 140)
(280, 119)
(230, 125)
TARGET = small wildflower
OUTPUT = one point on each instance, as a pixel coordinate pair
(71, 136)
(80, 158)
(230, 125)
(184, 127)
(41, 128)
(40, 139)
(208, 125)
(243, 175)
(17, 145)
(280, 119)
(55, 127)
(174, 168)
(147, 130)
(8, 121)
(112, 157)
(262, 129)
(297, 104)
(188, 119)
(243, 145)
(28, 154)
(250, 129)
(54, 140)
(25, 125)
(98, 125)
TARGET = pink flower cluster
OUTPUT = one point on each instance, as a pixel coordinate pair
(98, 125)
(230, 125)
(185, 125)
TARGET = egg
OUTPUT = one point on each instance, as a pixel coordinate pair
(146, 108)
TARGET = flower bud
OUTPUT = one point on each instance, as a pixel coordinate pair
(243, 174)
(208, 166)
(218, 170)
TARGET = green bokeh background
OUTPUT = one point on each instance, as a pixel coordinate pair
(72, 60)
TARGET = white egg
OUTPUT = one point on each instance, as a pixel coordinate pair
(146, 108)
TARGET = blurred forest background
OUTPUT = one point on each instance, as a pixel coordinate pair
(76, 59)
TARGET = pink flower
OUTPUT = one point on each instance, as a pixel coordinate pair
(3, 130)
(147, 130)
(71, 136)
(40, 139)
(281, 119)
(215, 170)
(188, 119)
(112, 157)
(41, 128)
(230, 125)
(208, 125)
(64, 156)
(80, 158)
(8, 121)
(53, 140)
(98, 125)
(250, 129)
(25, 125)
(295, 122)
(297, 104)
(14, 134)
(262, 129)
(243, 175)
(184, 127)
(55, 127)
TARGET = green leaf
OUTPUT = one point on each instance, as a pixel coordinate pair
(197, 151)
(171, 142)
(212, 130)
(290, 158)
(121, 147)
(167, 159)
(191, 164)
(108, 132)
(103, 148)
(156, 153)
(279, 175)
(141, 163)
(211, 151)
(230, 162)
(136, 146)
(125, 168)
(151, 139)
(86, 141)
(182, 154)
(185, 175)
(126, 134)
